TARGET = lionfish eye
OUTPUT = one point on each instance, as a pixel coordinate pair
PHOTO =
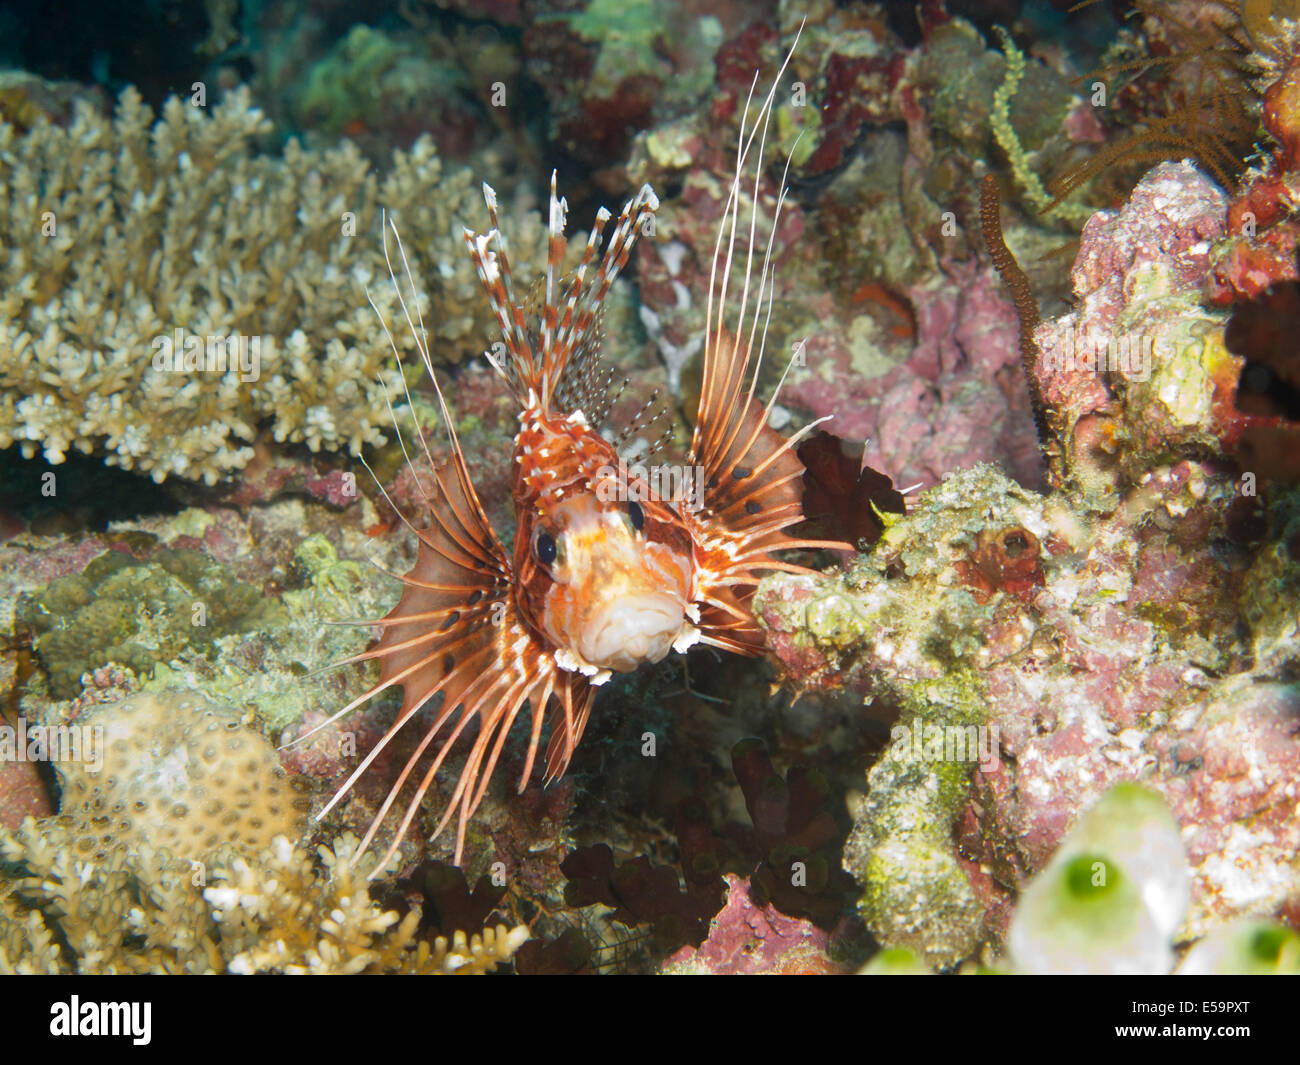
(636, 515)
(544, 547)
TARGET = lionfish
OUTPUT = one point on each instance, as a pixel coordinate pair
(605, 576)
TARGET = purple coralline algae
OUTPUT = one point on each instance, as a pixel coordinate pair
(1139, 374)
(748, 938)
(1138, 625)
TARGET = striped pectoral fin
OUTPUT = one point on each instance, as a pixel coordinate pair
(443, 620)
(753, 480)
(458, 587)
(445, 636)
(523, 674)
(727, 623)
(486, 666)
(571, 706)
(753, 492)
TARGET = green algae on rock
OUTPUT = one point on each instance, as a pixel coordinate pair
(903, 626)
(905, 613)
(139, 614)
(1080, 640)
(915, 893)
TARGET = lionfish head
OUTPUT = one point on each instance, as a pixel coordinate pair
(605, 570)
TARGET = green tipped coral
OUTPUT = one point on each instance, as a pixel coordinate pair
(1133, 826)
(1245, 948)
(1112, 896)
(125, 235)
(1084, 915)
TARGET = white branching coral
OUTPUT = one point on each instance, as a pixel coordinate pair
(124, 240)
(266, 927)
(138, 911)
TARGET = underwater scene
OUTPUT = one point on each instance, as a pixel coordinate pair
(650, 487)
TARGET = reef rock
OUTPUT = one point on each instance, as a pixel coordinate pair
(1034, 654)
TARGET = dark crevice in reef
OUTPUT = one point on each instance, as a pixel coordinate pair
(80, 493)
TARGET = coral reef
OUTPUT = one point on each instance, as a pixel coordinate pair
(1119, 660)
(1070, 684)
(894, 328)
(273, 575)
(177, 772)
(1139, 374)
(117, 334)
(138, 614)
(277, 913)
(745, 937)
(1180, 88)
(640, 62)
(1109, 903)
(1009, 141)
(373, 80)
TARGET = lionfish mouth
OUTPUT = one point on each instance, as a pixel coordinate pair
(617, 602)
(631, 630)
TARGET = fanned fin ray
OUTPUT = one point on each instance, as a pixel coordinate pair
(753, 487)
(545, 358)
(456, 632)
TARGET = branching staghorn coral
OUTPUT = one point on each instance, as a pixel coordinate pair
(119, 232)
(138, 912)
